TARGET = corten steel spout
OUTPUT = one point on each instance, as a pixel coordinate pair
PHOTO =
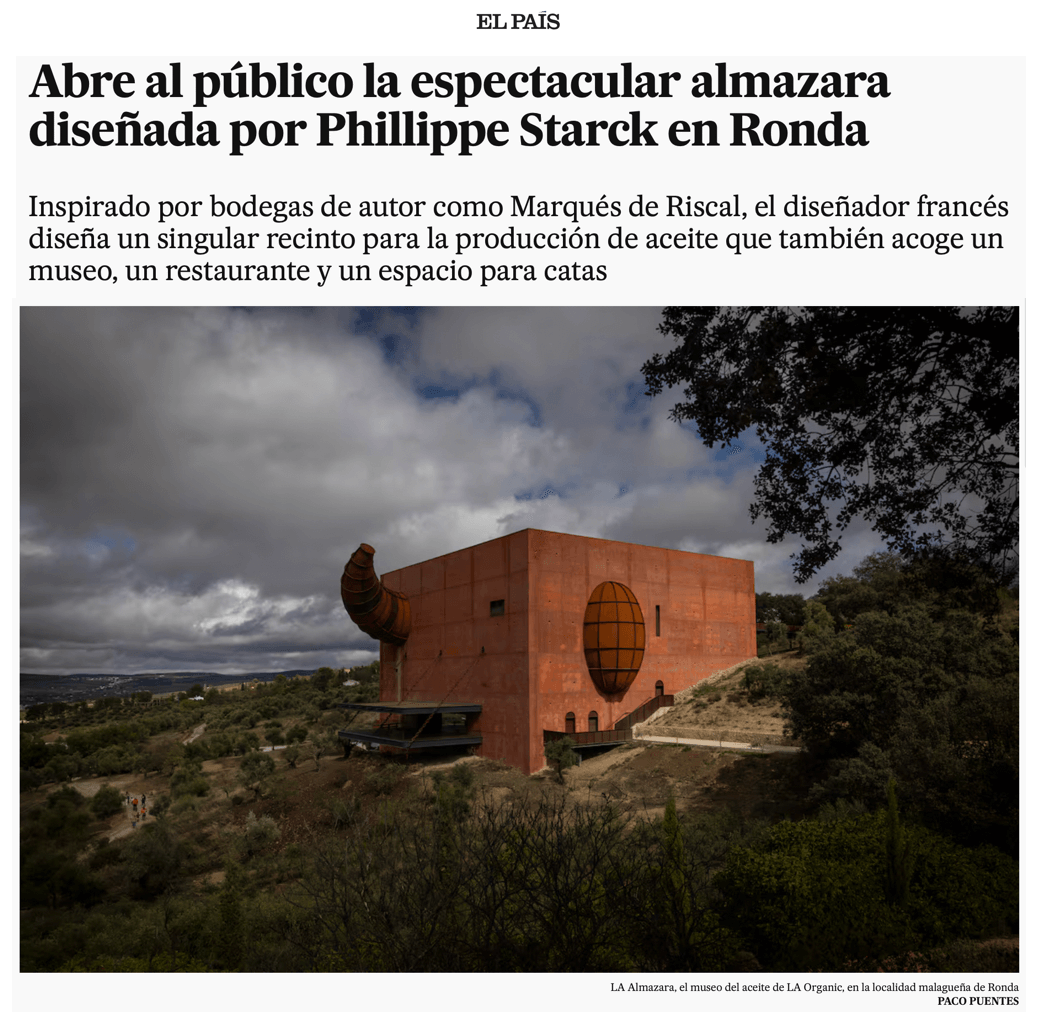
(378, 611)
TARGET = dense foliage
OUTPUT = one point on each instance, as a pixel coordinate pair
(924, 689)
(905, 417)
(436, 874)
(785, 609)
(813, 895)
(448, 880)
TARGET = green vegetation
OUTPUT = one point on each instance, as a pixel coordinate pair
(925, 690)
(816, 894)
(107, 802)
(862, 412)
(902, 855)
(766, 681)
(527, 886)
(784, 609)
(256, 767)
(818, 630)
(559, 753)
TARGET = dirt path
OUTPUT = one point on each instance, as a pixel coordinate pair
(121, 823)
(736, 746)
(124, 825)
(591, 770)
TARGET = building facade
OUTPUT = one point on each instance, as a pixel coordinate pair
(506, 628)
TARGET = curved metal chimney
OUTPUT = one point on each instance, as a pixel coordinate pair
(378, 611)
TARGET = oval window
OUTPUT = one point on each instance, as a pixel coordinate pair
(614, 637)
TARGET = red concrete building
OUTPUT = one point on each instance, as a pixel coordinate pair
(514, 637)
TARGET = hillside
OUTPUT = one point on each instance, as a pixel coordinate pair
(639, 776)
(281, 835)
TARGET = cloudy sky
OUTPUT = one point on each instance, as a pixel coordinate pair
(192, 481)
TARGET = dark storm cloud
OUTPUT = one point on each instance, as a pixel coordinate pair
(194, 480)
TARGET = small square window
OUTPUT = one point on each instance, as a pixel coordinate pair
(497, 607)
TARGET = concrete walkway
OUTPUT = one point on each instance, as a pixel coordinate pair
(738, 746)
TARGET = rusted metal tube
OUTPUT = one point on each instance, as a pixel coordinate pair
(378, 611)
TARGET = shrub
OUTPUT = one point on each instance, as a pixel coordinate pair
(107, 802)
(933, 703)
(61, 767)
(453, 791)
(259, 833)
(113, 759)
(462, 776)
(254, 769)
(812, 894)
(105, 854)
(766, 681)
(185, 803)
(384, 779)
(162, 804)
(220, 743)
(244, 742)
(188, 781)
(65, 796)
(560, 752)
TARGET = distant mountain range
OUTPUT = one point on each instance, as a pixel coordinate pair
(75, 687)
